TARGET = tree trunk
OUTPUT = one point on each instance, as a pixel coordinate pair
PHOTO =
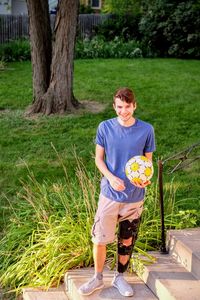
(41, 46)
(58, 96)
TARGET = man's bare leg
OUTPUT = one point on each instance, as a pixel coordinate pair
(99, 256)
(96, 282)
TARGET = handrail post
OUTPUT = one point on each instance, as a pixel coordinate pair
(160, 181)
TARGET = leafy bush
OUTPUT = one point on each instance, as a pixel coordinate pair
(121, 7)
(171, 28)
(99, 48)
(85, 9)
(94, 48)
(124, 26)
(18, 50)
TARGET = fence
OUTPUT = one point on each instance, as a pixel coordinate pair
(87, 22)
(13, 27)
(16, 27)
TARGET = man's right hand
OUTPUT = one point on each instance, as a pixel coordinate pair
(117, 183)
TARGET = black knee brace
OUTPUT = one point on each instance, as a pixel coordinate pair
(127, 229)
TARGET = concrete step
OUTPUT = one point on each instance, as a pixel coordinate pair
(75, 278)
(169, 280)
(184, 246)
(39, 294)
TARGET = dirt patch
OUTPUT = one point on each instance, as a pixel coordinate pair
(86, 106)
(92, 106)
(4, 111)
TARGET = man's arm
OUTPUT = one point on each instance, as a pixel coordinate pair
(116, 183)
(149, 155)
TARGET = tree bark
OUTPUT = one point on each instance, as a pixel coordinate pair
(55, 94)
(41, 45)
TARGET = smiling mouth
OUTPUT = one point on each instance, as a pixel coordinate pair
(125, 116)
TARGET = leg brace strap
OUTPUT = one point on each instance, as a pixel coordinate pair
(127, 229)
(123, 249)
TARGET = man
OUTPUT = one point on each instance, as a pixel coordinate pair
(117, 140)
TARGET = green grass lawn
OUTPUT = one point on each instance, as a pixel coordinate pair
(167, 92)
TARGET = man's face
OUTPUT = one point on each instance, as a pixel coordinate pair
(123, 109)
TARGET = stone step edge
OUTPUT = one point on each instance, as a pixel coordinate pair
(179, 254)
(44, 294)
(154, 281)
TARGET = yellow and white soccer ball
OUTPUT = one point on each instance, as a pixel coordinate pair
(139, 169)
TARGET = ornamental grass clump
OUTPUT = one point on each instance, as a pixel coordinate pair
(49, 231)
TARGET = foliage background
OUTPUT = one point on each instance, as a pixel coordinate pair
(164, 28)
(159, 28)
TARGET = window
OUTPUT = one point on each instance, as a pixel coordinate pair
(96, 3)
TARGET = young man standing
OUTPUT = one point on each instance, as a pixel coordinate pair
(117, 140)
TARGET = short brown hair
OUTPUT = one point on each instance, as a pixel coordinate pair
(125, 94)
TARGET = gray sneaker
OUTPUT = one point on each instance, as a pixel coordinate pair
(91, 286)
(122, 285)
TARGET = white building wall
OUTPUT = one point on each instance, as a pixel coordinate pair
(52, 4)
(19, 7)
(5, 7)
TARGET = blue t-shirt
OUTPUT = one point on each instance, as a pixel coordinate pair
(120, 144)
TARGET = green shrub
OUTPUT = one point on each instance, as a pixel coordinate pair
(121, 7)
(85, 9)
(18, 50)
(171, 28)
(99, 48)
(125, 26)
(94, 48)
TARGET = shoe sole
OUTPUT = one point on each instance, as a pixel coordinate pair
(87, 294)
(113, 284)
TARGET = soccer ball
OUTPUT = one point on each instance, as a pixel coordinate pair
(139, 169)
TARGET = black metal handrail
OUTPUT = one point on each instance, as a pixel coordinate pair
(184, 160)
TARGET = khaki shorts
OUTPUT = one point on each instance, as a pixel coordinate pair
(108, 214)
